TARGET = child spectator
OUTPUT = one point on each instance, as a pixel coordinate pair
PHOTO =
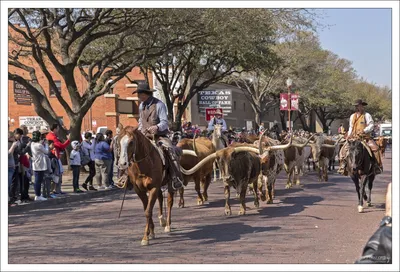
(75, 162)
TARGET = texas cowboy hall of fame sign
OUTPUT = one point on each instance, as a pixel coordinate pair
(21, 94)
(221, 98)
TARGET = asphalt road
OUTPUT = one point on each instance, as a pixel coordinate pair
(314, 223)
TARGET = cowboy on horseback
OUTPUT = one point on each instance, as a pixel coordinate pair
(361, 126)
(153, 123)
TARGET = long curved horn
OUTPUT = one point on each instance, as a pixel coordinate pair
(189, 152)
(281, 147)
(334, 145)
(303, 145)
(247, 149)
(199, 165)
(260, 142)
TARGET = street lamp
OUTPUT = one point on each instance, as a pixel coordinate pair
(289, 83)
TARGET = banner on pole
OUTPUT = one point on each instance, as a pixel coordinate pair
(284, 105)
(294, 102)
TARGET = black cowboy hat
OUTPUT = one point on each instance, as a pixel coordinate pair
(360, 102)
(143, 88)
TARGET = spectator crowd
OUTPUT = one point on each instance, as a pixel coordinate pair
(37, 161)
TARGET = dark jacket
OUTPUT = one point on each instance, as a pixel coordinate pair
(379, 248)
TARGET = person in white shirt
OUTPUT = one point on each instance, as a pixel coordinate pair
(360, 127)
(39, 164)
(75, 162)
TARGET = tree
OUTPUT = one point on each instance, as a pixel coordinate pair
(232, 41)
(265, 79)
(101, 44)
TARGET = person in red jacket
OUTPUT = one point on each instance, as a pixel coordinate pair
(59, 149)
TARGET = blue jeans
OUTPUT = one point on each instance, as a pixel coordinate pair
(11, 171)
(75, 176)
(39, 175)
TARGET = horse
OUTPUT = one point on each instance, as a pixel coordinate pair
(360, 165)
(147, 173)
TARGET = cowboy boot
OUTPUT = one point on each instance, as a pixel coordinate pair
(175, 172)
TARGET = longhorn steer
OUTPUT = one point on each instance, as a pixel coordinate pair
(240, 166)
(203, 147)
(323, 150)
(382, 143)
(295, 157)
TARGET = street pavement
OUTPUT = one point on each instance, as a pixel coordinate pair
(317, 222)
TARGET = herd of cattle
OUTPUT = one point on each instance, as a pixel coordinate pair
(255, 163)
(260, 165)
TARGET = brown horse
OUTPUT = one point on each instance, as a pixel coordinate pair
(141, 159)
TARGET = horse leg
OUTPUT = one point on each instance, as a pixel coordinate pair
(370, 184)
(170, 203)
(296, 178)
(227, 193)
(262, 182)
(362, 193)
(289, 182)
(143, 197)
(181, 199)
(149, 231)
(207, 182)
(160, 211)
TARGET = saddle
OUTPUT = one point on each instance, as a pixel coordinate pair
(370, 145)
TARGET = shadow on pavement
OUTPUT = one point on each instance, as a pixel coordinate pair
(318, 185)
(222, 232)
(299, 205)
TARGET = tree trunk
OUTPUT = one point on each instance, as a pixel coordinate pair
(303, 121)
(258, 116)
(178, 118)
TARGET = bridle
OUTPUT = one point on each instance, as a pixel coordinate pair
(133, 160)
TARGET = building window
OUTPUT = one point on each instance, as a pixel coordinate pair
(58, 84)
(234, 105)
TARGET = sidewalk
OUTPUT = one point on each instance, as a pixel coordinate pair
(70, 196)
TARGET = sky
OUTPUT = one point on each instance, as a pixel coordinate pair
(363, 36)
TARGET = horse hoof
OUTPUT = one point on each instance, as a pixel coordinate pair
(360, 209)
(369, 204)
(287, 186)
(228, 212)
(257, 205)
(199, 202)
(145, 242)
(167, 229)
(163, 223)
(241, 213)
(270, 201)
(152, 236)
(205, 198)
(181, 205)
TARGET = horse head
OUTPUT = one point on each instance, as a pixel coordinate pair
(356, 155)
(126, 146)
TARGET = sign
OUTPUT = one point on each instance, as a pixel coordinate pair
(21, 95)
(221, 97)
(284, 105)
(94, 123)
(211, 112)
(284, 102)
(33, 123)
(294, 102)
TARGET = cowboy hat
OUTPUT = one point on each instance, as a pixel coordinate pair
(360, 102)
(144, 88)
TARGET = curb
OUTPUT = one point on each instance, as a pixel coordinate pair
(61, 200)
